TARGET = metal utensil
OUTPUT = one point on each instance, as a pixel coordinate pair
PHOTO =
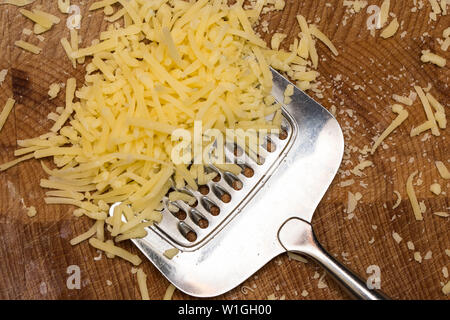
(269, 215)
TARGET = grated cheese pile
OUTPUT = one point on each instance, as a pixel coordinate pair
(166, 67)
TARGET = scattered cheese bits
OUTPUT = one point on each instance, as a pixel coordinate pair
(428, 56)
(54, 90)
(402, 116)
(412, 197)
(31, 211)
(443, 171)
(28, 46)
(6, 111)
(436, 188)
(169, 292)
(391, 29)
(170, 253)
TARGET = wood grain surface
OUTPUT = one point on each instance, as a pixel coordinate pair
(35, 252)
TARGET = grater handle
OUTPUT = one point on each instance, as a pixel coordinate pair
(297, 236)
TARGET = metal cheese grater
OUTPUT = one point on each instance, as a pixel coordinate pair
(230, 233)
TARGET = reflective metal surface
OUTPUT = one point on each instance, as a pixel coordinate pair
(297, 235)
(244, 237)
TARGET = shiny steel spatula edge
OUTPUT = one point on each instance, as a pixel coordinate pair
(270, 215)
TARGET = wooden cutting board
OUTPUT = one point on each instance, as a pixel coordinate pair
(35, 252)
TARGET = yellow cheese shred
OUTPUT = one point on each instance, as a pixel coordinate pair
(142, 282)
(112, 249)
(41, 20)
(384, 12)
(169, 292)
(412, 196)
(82, 237)
(6, 111)
(170, 253)
(322, 37)
(28, 46)
(311, 46)
(402, 116)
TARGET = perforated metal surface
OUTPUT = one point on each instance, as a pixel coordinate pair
(176, 230)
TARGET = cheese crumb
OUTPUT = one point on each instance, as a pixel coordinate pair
(428, 56)
(446, 288)
(170, 253)
(397, 237)
(436, 188)
(418, 257)
(3, 74)
(31, 211)
(54, 90)
(277, 38)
